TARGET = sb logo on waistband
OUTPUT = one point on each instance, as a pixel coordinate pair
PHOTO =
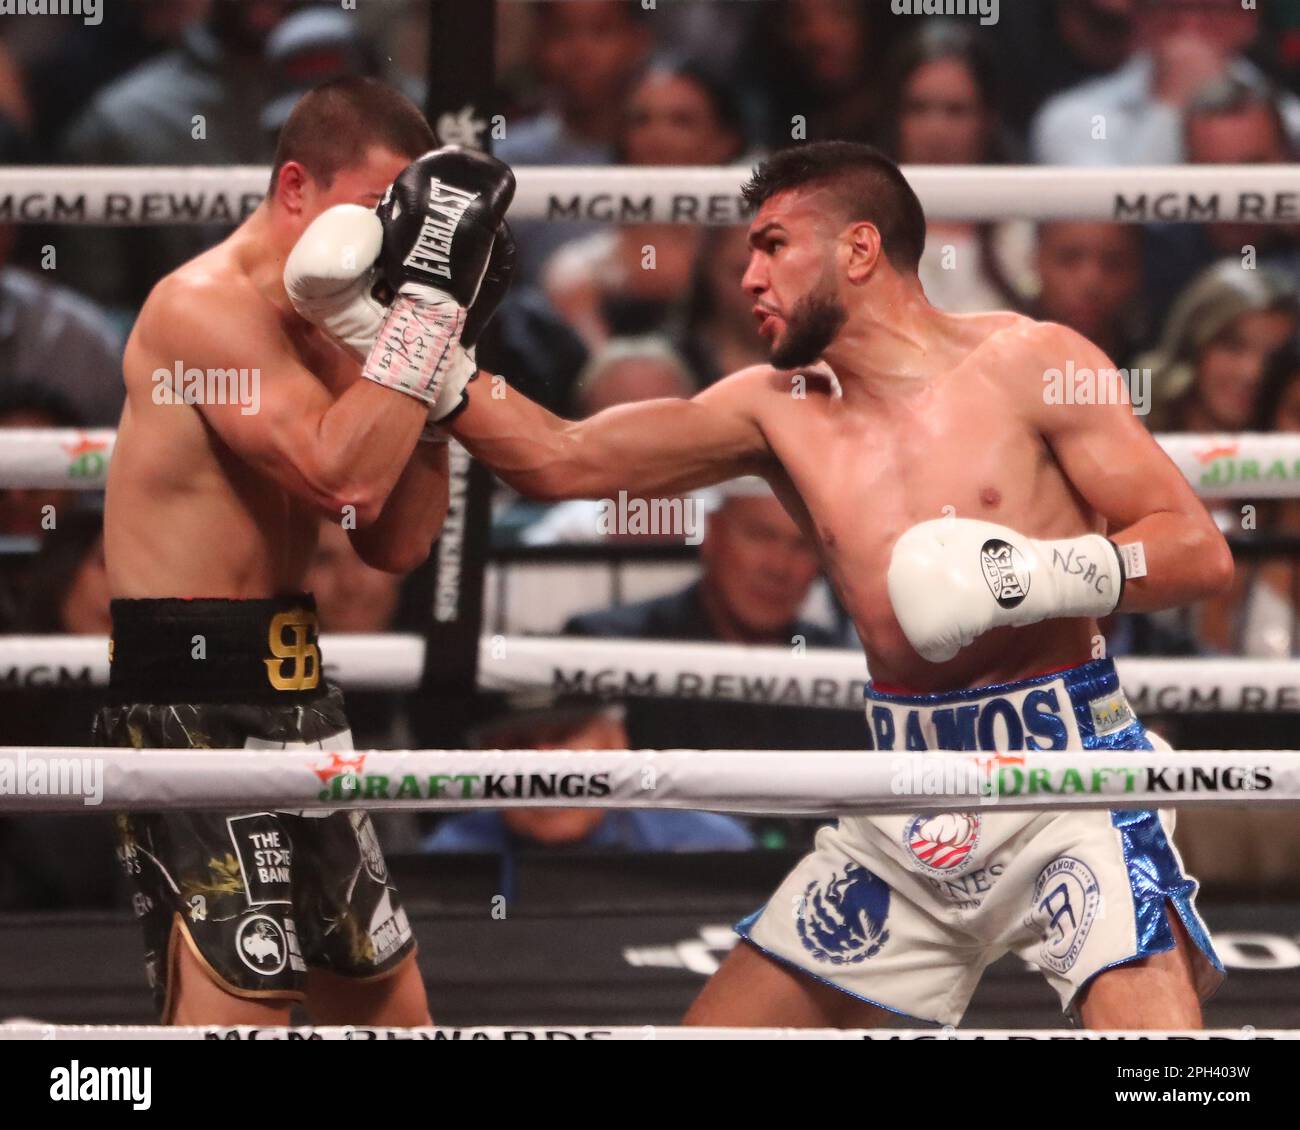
(289, 641)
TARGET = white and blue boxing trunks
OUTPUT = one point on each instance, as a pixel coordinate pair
(906, 912)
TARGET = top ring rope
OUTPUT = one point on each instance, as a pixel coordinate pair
(1247, 466)
(693, 195)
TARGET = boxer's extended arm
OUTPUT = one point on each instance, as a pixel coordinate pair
(348, 452)
(650, 447)
(1116, 465)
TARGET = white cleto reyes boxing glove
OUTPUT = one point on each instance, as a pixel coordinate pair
(331, 274)
(952, 579)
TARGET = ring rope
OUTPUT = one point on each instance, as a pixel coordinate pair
(145, 195)
(762, 782)
(1253, 465)
(30, 1031)
(823, 678)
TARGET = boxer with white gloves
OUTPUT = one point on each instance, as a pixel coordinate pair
(877, 414)
(953, 579)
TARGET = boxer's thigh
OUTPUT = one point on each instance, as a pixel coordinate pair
(1097, 891)
(849, 917)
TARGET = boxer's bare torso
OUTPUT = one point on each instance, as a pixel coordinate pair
(223, 497)
(859, 469)
(186, 515)
(968, 433)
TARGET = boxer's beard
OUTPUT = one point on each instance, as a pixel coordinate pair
(813, 323)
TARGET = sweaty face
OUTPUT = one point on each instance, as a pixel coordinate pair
(792, 279)
(363, 183)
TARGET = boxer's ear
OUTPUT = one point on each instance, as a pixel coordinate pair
(865, 250)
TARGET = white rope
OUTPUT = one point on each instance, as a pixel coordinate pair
(1246, 466)
(794, 782)
(698, 195)
(30, 1031)
(822, 677)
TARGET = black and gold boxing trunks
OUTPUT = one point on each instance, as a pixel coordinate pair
(259, 897)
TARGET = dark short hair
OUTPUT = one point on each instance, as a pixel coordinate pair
(869, 185)
(331, 127)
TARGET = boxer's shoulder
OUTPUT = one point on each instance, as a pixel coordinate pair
(1022, 337)
(205, 306)
(759, 382)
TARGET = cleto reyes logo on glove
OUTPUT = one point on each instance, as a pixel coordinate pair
(1005, 572)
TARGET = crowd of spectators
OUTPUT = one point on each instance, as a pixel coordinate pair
(606, 314)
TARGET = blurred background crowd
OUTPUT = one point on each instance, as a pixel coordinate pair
(1210, 309)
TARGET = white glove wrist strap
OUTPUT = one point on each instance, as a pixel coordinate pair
(416, 347)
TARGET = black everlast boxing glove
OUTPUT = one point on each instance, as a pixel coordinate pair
(496, 282)
(440, 219)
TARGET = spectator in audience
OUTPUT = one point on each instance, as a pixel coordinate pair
(1090, 279)
(29, 511)
(310, 47)
(65, 70)
(630, 369)
(758, 569)
(199, 104)
(1050, 45)
(59, 862)
(1135, 115)
(814, 60)
(68, 592)
(585, 726)
(1206, 371)
(1206, 376)
(1257, 620)
(623, 372)
(1265, 621)
(629, 279)
(717, 335)
(587, 56)
(588, 53)
(54, 338)
(941, 110)
(1228, 122)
